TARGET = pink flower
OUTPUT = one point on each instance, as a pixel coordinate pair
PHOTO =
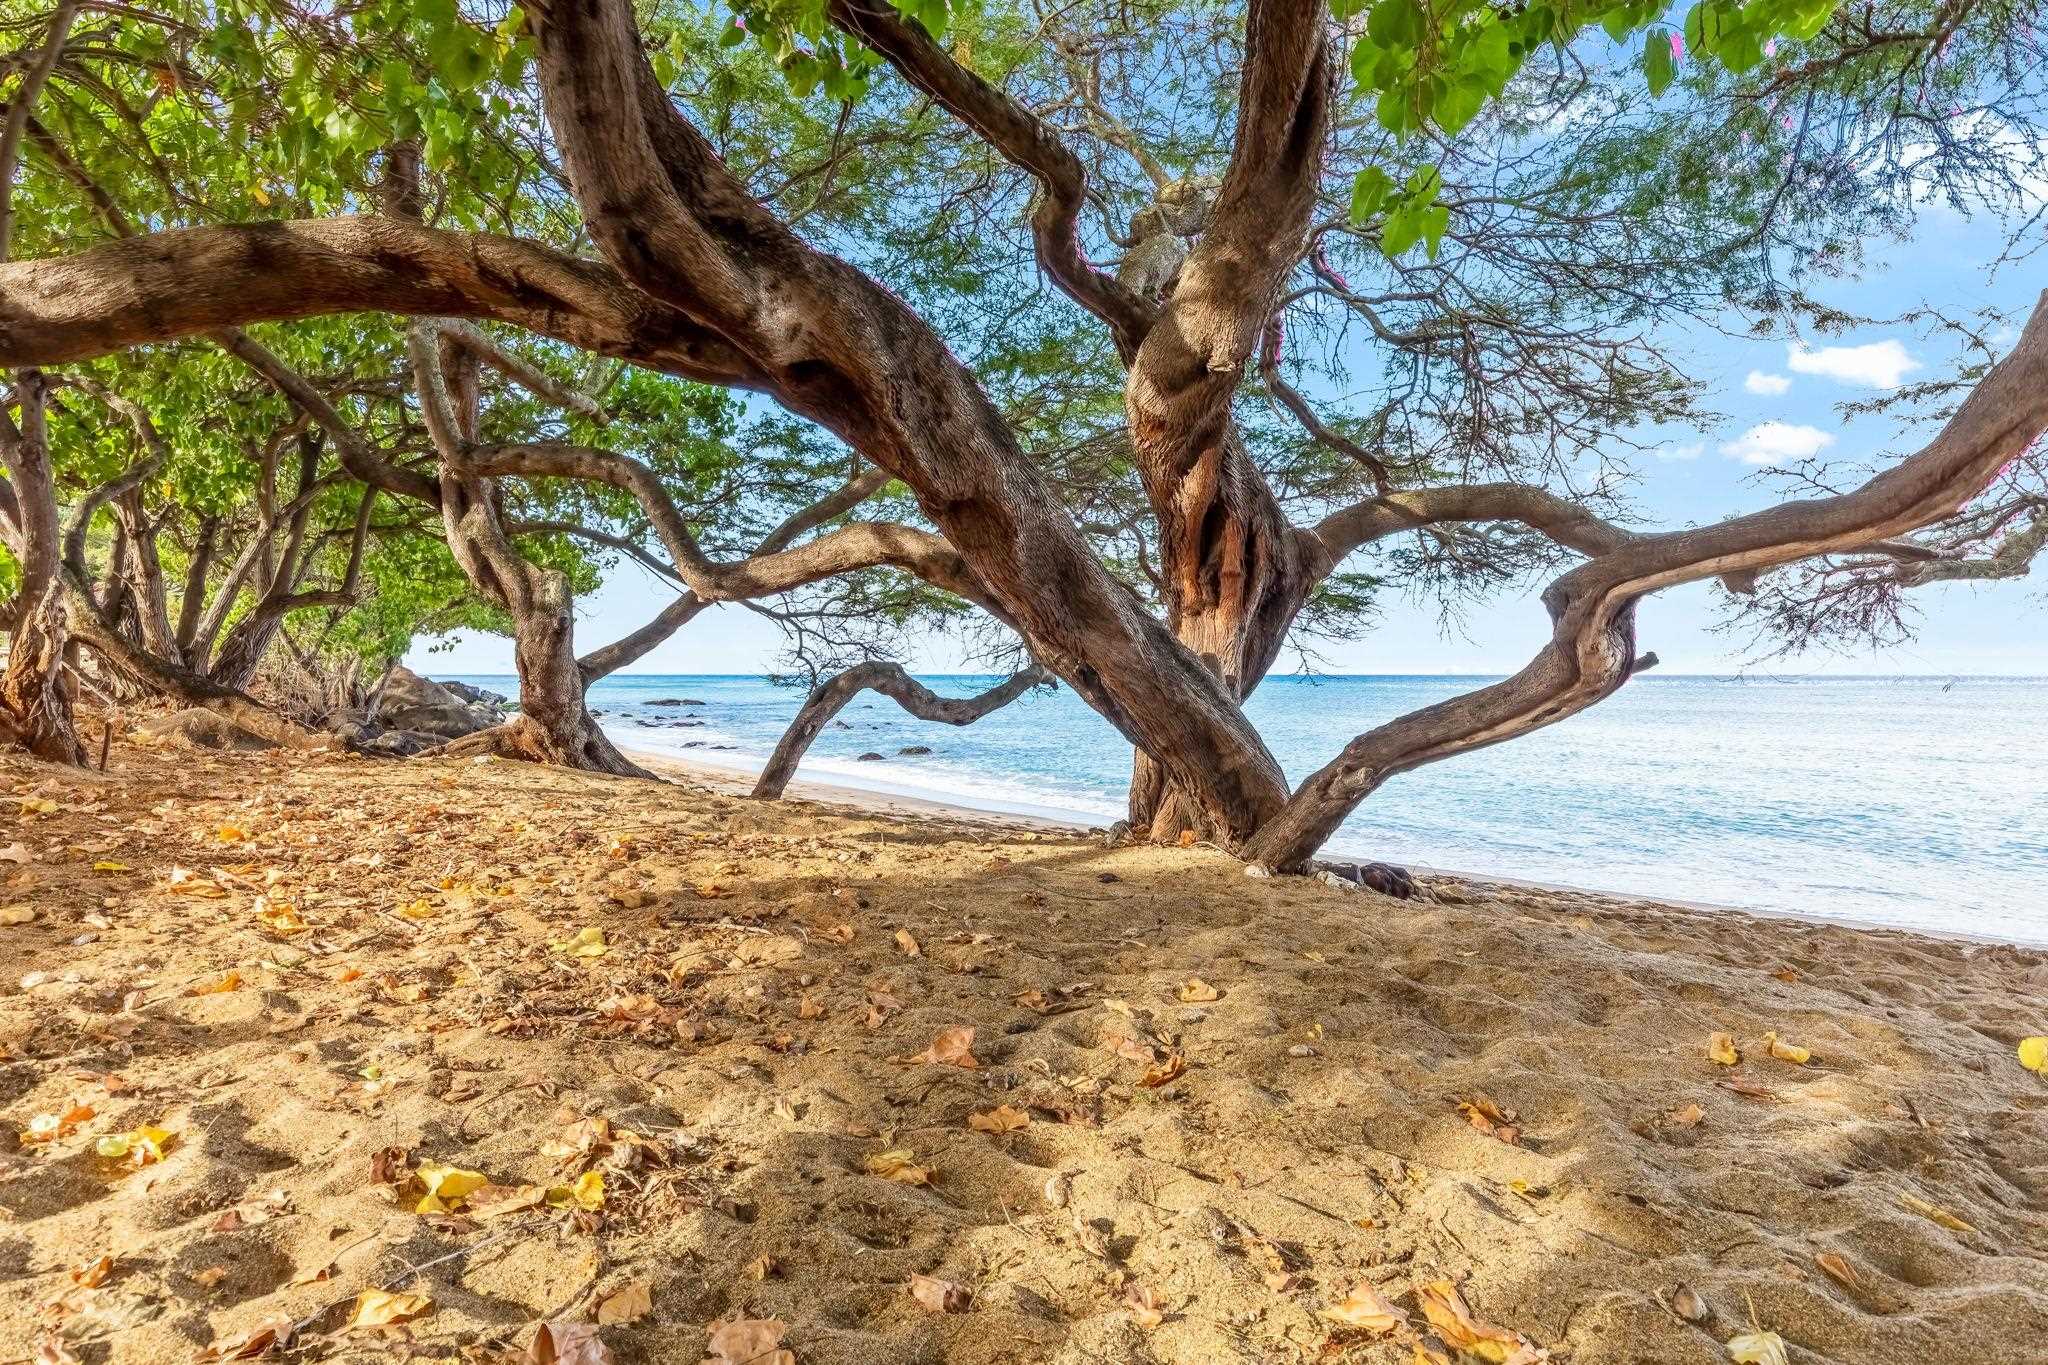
(1677, 47)
(1771, 48)
(740, 22)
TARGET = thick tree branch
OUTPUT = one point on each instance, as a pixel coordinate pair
(830, 697)
(1024, 140)
(1592, 607)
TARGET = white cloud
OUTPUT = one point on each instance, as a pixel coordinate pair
(1880, 365)
(1690, 451)
(1778, 443)
(1772, 384)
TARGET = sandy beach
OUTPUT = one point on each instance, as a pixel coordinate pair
(1208, 1117)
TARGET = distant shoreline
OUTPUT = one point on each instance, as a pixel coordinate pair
(735, 782)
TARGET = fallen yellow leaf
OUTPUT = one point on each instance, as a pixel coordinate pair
(629, 1304)
(907, 941)
(1721, 1048)
(231, 834)
(381, 1308)
(109, 865)
(1195, 991)
(445, 1186)
(139, 1146)
(585, 943)
(1758, 1348)
(421, 908)
(1786, 1052)
(586, 1193)
(220, 985)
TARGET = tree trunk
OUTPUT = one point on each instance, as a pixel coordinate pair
(1234, 574)
(35, 706)
(828, 698)
(554, 725)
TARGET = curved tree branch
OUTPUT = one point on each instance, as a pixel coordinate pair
(1024, 140)
(1592, 607)
(830, 697)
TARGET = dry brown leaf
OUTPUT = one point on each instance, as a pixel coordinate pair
(907, 941)
(220, 985)
(1159, 1073)
(1366, 1309)
(1129, 1048)
(1748, 1088)
(272, 1333)
(629, 1304)
(567, 1343)
(382, 1308)
(92, 1274)
(808, 1008)
(749, 1341)
(1452, 1320)
(211, 1275)
(1003, 1118)
(16, 914)
(900, 1166)
(1721, 1049)
(1839, 1270)
(1187, 838)
(1195, 991)
(953, 1047)
(1491, 1118)
(1146, 1306)
(940, 1296)
(1686, 1116)
(763, 1267)
(839, 933)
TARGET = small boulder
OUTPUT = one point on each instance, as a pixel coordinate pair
(869, 757)
(410, 702)
(475, 695)
(914, 750)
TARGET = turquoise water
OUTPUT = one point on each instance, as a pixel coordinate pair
(1915, 802)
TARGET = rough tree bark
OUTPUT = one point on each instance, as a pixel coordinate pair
(35, 705)
(833, 345)
(830, 697)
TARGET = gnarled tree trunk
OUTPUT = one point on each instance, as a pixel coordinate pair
(35, 704)
(554, 724)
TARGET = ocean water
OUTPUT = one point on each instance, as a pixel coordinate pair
(1915, 802)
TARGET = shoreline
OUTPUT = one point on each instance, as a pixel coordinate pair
(733, 781)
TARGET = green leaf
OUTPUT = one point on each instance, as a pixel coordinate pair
(1657, 64)
(1433, 222)
(1369, 190)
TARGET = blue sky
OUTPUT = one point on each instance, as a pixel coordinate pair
(1779, 401)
